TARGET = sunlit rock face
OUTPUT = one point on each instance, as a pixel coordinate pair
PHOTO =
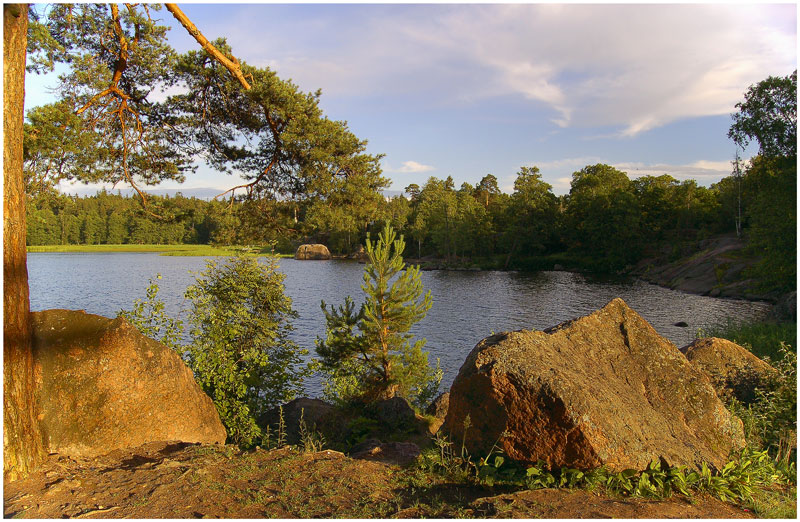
(312, 252)
(733, 370)
(603, 389)
(102, 385)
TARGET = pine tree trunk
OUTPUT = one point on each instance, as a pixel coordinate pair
(23, 447)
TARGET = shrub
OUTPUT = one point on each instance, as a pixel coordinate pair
(148, 317)
(771, 420)
(241, 354)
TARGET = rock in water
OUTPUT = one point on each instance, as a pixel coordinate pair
(734, 371)
(604, 389)
(312, 252)
(102, 385)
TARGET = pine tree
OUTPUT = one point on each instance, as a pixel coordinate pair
(369, 355)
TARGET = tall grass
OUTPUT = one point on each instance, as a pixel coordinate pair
(762, 338)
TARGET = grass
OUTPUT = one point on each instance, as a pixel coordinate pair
(165, 250)
(762, 338)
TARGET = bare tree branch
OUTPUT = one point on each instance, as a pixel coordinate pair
(231, 64)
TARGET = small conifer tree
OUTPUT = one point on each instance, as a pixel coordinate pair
(369, 355)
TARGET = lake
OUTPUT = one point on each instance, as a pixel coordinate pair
(467, 306)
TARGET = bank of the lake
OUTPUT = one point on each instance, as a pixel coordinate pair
(164, 250)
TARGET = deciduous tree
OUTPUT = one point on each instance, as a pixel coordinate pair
(241, 354)
(768, 115)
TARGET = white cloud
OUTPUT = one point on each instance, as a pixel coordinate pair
(561, 185)
(567, 163)
(704, 172)
(559, 172)
(634, 67)
(409, 167)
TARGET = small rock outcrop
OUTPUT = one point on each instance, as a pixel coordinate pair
(733, 370)
(392, 413)
(400, 453)
(318, 416)
(312, 252)
(359, 254)
(785, 309)
(102, 385)
(604, 389)
(438, 408)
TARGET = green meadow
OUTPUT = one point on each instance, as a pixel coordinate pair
(164, 250)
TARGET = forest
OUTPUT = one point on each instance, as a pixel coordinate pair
(307, 178)
(606, 223)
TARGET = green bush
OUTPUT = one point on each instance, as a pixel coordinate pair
(148, 317)
(241, 354)
(771, 420)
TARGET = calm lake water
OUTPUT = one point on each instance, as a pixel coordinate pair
(467, 306)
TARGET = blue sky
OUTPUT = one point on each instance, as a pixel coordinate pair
(466, 90)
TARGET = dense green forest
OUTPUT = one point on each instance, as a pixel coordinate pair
(307, 178)
(606, 222)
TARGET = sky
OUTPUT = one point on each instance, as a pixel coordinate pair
(465, 90)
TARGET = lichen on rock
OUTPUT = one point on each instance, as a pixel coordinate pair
(604, 389)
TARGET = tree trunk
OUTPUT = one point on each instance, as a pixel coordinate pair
(23, 447)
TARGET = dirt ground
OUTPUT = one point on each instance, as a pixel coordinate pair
(178, 480)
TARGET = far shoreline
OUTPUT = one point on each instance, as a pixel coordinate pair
(164, 250)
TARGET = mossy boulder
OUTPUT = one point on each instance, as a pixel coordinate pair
(102, 386)
(604, 389)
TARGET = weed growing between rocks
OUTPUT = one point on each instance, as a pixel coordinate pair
(770, 422)
(762, 338)
(753, 478)
(310, 439)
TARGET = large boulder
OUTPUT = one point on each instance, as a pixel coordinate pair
(102, 385)
(733, 370)
(604, 389)
(312, 252)
(318, 416)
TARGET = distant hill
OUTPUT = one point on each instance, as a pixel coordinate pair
(199, 193)
(206, 193)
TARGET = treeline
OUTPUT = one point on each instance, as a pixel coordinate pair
(606, 222)
(105, 218)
